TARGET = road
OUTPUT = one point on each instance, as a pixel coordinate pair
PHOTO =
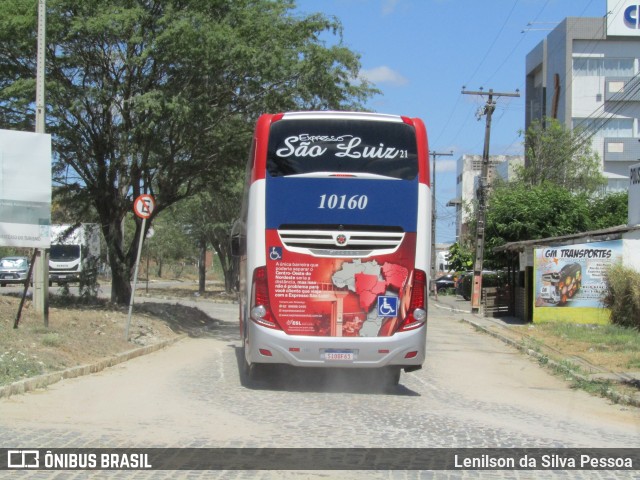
(474, 391)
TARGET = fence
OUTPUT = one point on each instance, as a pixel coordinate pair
(497, 301)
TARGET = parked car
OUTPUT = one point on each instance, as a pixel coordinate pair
(444, 282)
(489, 279)
(13, 270)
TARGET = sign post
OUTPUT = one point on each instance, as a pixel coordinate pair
(143, 208)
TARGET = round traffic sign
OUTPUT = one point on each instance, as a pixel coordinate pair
(144, 205)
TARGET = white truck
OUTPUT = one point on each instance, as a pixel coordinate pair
(74, 254)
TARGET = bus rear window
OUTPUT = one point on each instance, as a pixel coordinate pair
(298, 147)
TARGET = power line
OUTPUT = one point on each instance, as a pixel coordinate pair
(494, 40)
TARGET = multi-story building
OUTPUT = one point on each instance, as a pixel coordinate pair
(469, 169)
(585, 73)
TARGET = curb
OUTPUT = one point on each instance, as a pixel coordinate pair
(41, 381)
(545, 360)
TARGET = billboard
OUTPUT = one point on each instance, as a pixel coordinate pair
(623, 18)
(25, 189)
(570, 281)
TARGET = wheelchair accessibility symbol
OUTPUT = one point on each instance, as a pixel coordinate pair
(275, 253)
(387, 306)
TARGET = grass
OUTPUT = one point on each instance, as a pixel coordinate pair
(16, 364)
(612, 347)
(574, 351)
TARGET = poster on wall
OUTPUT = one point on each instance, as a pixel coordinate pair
(570, 281)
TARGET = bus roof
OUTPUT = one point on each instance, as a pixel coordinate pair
(304, 115)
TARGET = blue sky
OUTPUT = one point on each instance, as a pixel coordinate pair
(420, 53)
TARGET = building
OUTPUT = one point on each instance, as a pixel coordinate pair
(585, 73)
(469, 169)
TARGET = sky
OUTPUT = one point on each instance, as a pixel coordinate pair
(421, 53)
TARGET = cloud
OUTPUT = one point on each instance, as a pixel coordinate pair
(389, 6)
(383, 74)
(445, 165)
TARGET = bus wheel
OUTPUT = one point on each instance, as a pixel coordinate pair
(391, 376)
(257, 371)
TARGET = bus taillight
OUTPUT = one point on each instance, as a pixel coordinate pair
(260, 305)
(417, 313)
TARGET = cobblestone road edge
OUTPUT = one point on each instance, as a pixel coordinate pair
(41, 381)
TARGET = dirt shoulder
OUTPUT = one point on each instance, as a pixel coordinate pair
(80, 334)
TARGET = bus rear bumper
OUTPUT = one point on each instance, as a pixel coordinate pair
(403, 349)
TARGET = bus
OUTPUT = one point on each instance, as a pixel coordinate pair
(334, 242)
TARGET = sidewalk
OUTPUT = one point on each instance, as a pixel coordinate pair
(503, 329)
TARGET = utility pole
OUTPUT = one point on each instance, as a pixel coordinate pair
(433, 216)
(481, 193)
(41, 264)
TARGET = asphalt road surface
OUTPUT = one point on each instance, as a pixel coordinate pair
(474, 391)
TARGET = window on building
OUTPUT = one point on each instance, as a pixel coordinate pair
(607, 67)
(587, 67)
(605, 128)
(617, 185)
(618, 67)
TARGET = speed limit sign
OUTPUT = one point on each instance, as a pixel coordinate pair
(144, 205)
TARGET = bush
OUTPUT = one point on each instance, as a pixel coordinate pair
(489, 279)
(622, 297)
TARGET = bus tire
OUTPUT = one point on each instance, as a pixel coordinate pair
(257, 372)
(392, 376)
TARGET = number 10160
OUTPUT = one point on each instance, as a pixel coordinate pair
(343, 202)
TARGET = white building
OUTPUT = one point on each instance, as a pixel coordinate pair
(469, 168)
(585, 73)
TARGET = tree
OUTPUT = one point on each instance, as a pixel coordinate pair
(522, 212)
(170, 242)
(552, 195)
(209, 217)
(561, 157)
(460, 258)
(151, 96)
(611, 210)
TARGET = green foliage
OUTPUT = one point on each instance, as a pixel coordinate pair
(622, 296)
(210, 216)
(161, 97)
(460, 258)
(610, 210)
(17, 365)
(560, 156)
(170, 243)
(554, 194)
(520, 212)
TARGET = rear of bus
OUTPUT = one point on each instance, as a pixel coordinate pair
(336, 229)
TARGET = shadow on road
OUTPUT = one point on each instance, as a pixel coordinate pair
(318, 380)
(189, 320)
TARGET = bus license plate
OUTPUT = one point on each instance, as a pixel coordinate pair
(338, 355)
